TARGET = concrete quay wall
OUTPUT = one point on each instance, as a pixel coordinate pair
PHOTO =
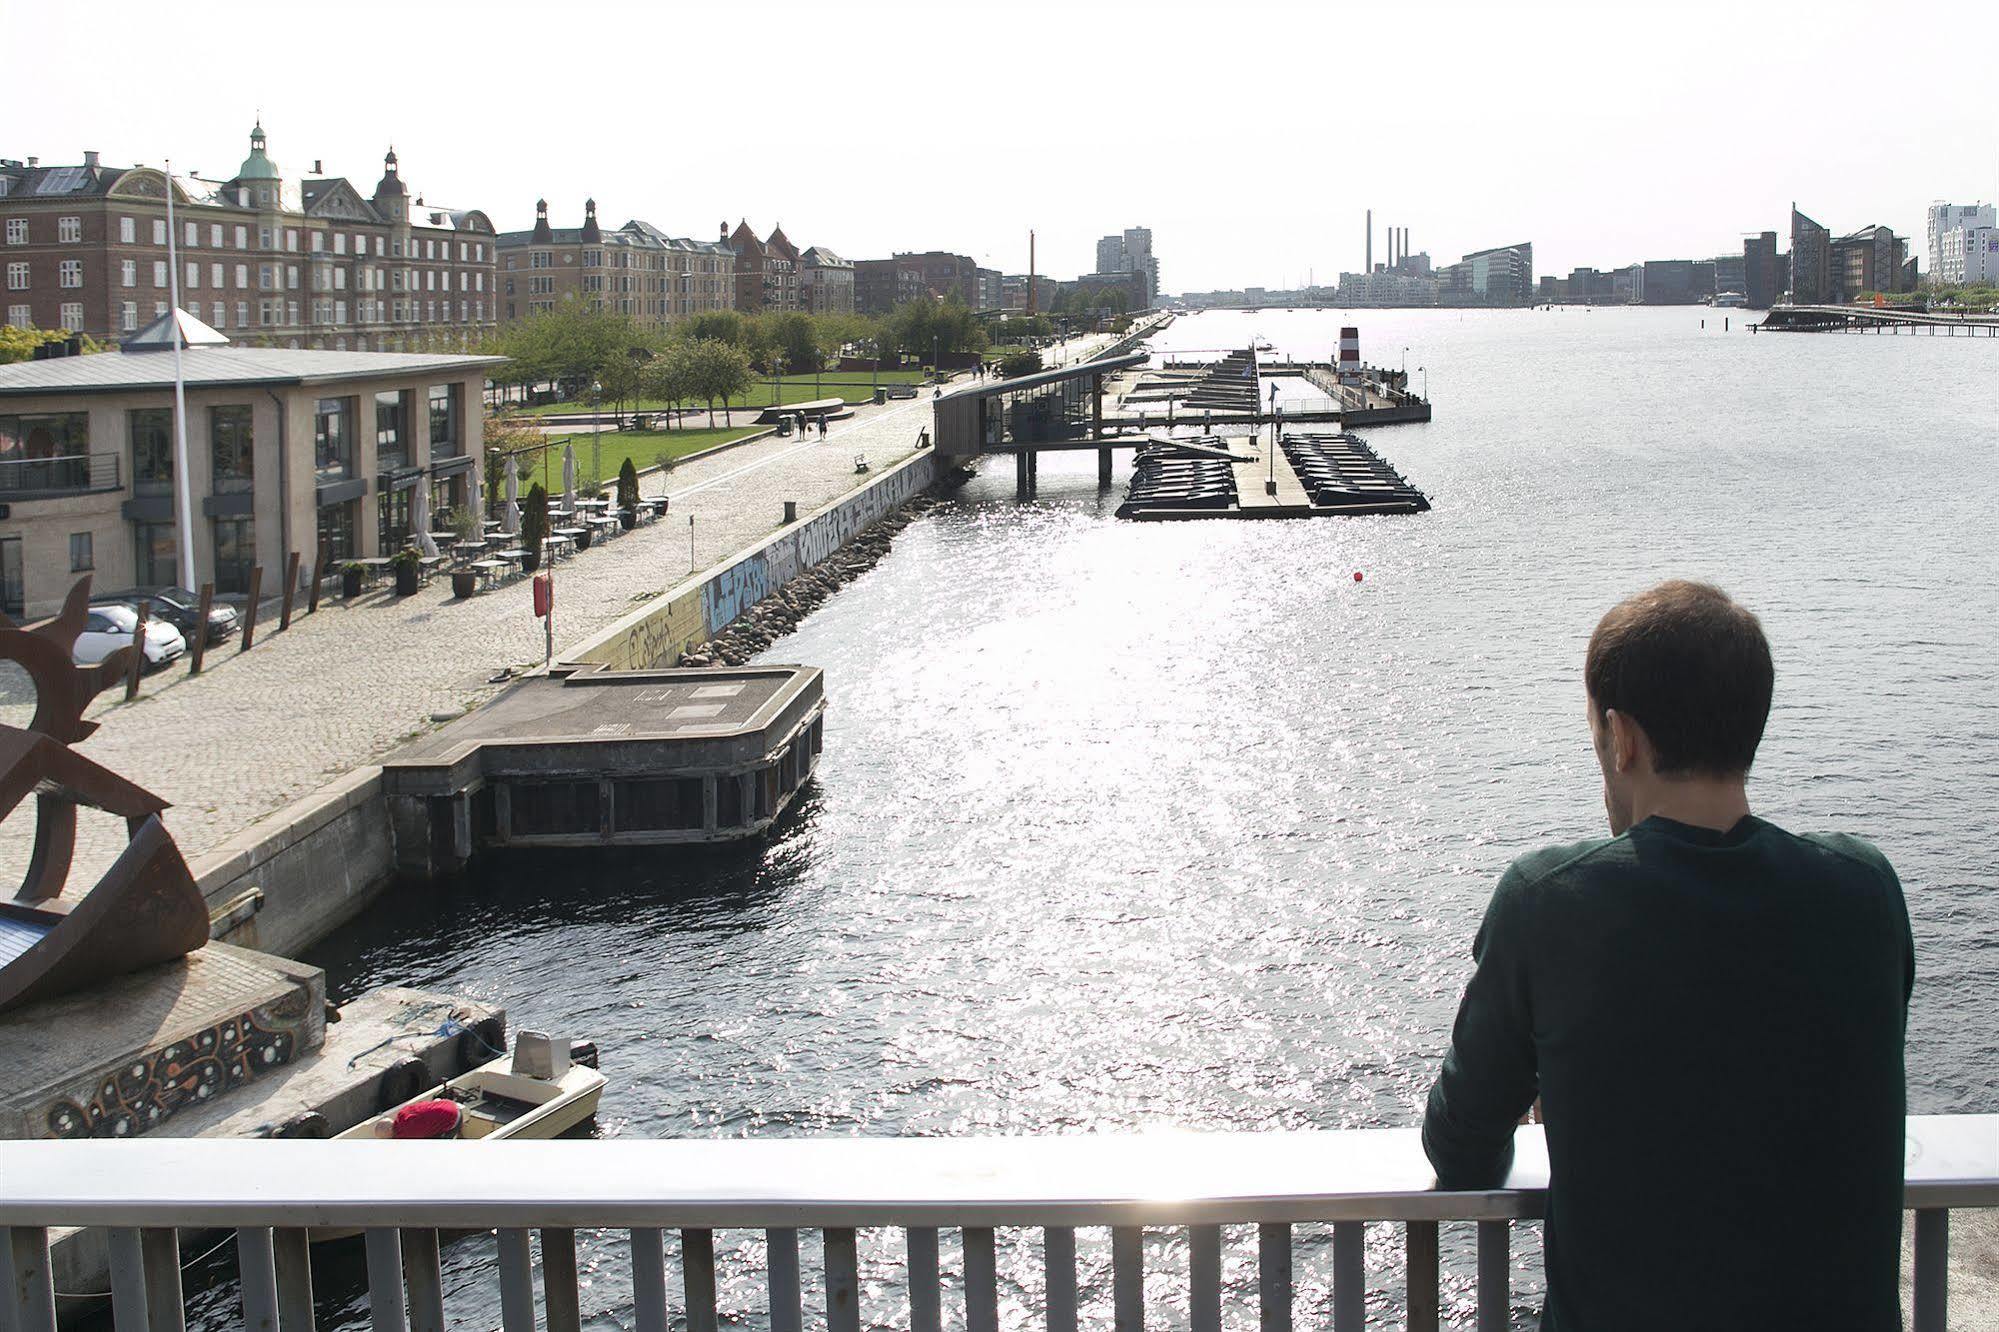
(698, 609)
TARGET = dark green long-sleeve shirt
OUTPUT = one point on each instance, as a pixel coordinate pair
(1714, 1023)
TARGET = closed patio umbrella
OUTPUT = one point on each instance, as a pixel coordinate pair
(510, 512)
(569, 477)
(420, 517)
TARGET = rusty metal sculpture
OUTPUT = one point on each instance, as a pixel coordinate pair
(146, 909)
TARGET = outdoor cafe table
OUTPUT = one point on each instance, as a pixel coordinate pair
(374, 565)
(559, 544)
(490, 571)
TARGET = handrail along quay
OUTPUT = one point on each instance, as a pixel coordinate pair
(402, 1194)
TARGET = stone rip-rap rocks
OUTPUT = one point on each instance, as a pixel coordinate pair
(781, 611)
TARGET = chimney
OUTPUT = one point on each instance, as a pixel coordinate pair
(34, 161)
(318, 168)
(1368, 267)
(90, 157)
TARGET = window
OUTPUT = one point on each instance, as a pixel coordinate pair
(291, 276)
(128, 316)
(340, 242)
(159, 308)
(152, 432)
(72, 316)
(17, 277)
(333, 439)
(267, 277)
(541, 259)
(263, 238)
(72, 272)
(444, 418)
(318, 241)
(291, 311)
(291, 239)
(479, 252)
(215, 275)
(242, 277)
(193, 274)
(392, 513)
(215, 234)
(231, 449)
(69, 230)
(242, 314)
(81, 557)
(391, 446)
(159, 231)
(340, 313)
(220, 313)
(17, 231)
(242, 238)
(336, 533)
(191, 234)
(128, 231)
(128, 272)
(18, 316)
(157, 561)
(159, 272)
(235, 553)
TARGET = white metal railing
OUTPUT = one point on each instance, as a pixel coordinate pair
(400, 1195)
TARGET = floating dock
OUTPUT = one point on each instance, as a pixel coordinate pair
(1311, 475)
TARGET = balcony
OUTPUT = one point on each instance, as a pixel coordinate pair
(1296, 1189)
(48, 478)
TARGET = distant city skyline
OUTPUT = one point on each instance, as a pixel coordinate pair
(1468, 129)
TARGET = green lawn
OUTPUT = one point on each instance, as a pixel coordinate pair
(796, 388)
(643, 447)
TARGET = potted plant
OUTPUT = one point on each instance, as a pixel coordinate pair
(628, 495)
(350, 579)
(534, 527)
(406, 564)
(464, 582)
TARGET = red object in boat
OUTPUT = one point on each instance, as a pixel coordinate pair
(426, 1119)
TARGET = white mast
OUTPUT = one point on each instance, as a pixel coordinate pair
(183, 484)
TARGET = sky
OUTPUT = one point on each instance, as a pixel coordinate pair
(1250, 137)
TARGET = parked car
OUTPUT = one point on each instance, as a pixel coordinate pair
(178, 607)
(108, 628)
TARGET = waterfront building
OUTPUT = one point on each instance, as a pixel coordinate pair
(1811, 260)
(1728, 272)
(328, 453)
(944, 275)
(1970, 255)
(1132, 285)
(305, 263)
(1869, 260)
(635, 270)
(827, 281)
(1668, 282)
(1762, 271)
(1945, 218)
(1110, 253)
(1500, 276)
(992, 292)
(1627, 285)
(1131, 252)
(1386, 288)
(882, 284)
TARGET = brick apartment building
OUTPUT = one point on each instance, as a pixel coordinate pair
(882, 284)
(310, 263)
(768, 277)
(636, 270)
(827, 281)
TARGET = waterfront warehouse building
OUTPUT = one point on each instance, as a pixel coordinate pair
(637, 270)
(306, 263)
(1500, 276)
(330, 454)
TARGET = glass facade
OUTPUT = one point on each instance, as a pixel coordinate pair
(446, 437)
(157, 560)
(391, 435)
(1045, 412)
(336, 533)
(235, 553)
(392, 512)
(333, 439)
(152, 431)
(230, 448)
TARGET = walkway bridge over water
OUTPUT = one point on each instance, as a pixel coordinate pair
(1876, 319)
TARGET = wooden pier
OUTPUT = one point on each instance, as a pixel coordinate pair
(1875, 319)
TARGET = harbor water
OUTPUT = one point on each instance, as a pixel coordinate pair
(1129, 826)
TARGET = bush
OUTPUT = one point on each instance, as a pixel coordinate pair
(534, 518)
(628, 486)
(1015, 364)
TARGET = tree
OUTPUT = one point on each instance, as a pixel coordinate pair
(668, 377)
(18, 344)
(717, 370)
(716, 326)
(571, 345)
(534, 524)
(795, 337)
(507, 438)
(628, 487)
(1015, 364)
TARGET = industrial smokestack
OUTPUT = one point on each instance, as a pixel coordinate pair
(1369, 267)
(1391, 247)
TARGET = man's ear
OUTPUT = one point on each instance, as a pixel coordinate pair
(1628, 740)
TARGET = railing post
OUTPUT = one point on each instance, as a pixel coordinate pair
(385, 1275)
(250, 611)
(1204, 1278)
(843, 1296)
(925, 1313)
(159, 1253)
(1128, 1278)
(516, 1282)
(1349, 1276)
(781, 1264)
(697, 1278)
(1421, 1272)
(1058, 1266)
(423, 1277)
(558, 1280)
(30, 1301)
(1273, 1276)
(293, 1252)
(981, 1280)
(128, 1279)
(1495, 1298)
(257, 1267)
(1931, 1306)
(649, 1280)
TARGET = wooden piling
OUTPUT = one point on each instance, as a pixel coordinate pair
(134, 667)
(291, 589)
(206, 603)
(250, 611)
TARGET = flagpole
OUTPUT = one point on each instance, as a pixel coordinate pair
(183, 496)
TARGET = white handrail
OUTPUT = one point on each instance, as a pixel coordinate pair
(1155, 1179)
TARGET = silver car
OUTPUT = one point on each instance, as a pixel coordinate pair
(108, 628)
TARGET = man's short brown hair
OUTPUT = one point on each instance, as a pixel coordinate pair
(1690, 666)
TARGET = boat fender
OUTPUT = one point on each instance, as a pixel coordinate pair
(305, 1124)
(482, 1040)
(402, 1080)
(584, 1053)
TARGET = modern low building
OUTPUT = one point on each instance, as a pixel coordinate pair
(312, 262)
(636, 270)
(330, 454)
(1500, 276)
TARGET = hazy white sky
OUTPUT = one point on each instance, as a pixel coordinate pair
(1248, 136)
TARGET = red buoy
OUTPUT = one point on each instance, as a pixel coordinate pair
(1356, 575)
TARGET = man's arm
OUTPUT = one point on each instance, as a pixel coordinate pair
(1488, 1079)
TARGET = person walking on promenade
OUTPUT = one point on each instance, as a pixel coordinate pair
(1710, 1011)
